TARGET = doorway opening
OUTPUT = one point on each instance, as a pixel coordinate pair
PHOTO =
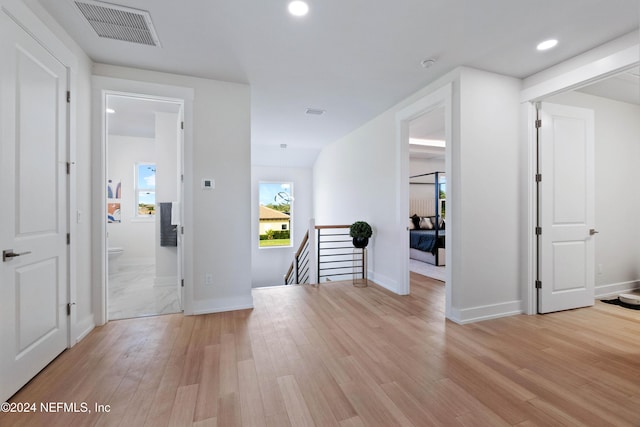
(427, 195)
(143, 165)
(435, 107)
(606, 263)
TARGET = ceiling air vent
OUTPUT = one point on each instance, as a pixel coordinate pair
(119, 23)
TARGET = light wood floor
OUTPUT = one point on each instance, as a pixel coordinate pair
(343, 356)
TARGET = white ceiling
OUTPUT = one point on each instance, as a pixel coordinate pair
(136, 116)
(624, 87)
(352, 58)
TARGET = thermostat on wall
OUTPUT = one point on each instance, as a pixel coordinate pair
(208, 184)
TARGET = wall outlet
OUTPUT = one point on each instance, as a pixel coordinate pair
(208, 279)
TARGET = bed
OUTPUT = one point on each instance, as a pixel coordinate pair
(427, 224)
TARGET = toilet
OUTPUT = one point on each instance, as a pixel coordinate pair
(114, 254)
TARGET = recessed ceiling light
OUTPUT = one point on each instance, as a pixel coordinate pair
(426, 63)
(547, 44)
(298, 8)
(110, 111)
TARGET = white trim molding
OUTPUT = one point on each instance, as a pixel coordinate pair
(486, 312)
(613, 289)
(219, 305)
(102, 86)
(439, 97)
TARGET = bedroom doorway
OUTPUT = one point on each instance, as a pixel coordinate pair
(427, 195)
(435, 110)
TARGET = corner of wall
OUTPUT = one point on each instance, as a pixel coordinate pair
(82, 328)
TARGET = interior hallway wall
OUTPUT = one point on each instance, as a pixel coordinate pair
(355, 178)
(217, 231)
(269, 265)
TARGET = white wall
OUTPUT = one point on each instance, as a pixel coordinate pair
(488, 263)
(617, 202)
(135, 235)
(269, 265)
(217, 237)
(355, 179)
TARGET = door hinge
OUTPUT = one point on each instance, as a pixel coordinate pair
(538, 123)
(68, 96)
(181, 177)
(182, 125)
(182, 229)
(538, 177)
(68, 238)
(182, 282)
(69, 309)
(538, 284)
(68, 168)
(538, 231)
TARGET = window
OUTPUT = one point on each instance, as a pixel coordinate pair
(276, 203)
(146, 189)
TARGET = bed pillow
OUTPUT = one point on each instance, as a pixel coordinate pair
(412, 226)
(425, 223)
(440, 222)
(416, 221)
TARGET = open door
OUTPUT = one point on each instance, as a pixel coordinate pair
(180, 198)
(34, 327)
(566, 208)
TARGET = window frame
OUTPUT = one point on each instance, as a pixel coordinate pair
(291, 212)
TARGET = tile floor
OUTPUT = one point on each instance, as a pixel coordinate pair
(133, 294)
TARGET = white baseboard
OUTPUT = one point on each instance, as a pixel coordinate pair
(82, 328)
(384, 281)
(485, 312)
(219, 305)
(615, 288)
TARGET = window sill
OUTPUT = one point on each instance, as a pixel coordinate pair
(275, 247)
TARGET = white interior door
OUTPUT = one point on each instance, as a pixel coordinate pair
(34, 289)
(566, 148)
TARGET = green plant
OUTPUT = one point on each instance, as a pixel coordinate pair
(360, 229)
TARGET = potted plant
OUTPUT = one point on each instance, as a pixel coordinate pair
(360, 231)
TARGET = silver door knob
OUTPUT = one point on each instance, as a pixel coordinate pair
(593, 231)
(7, 254)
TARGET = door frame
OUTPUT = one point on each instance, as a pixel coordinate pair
(577, 76)
(442, 97)
(103, 86)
